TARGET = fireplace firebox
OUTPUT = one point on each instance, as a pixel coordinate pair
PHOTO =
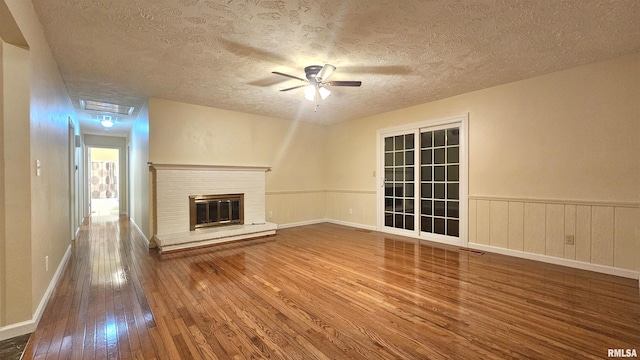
(215, 210)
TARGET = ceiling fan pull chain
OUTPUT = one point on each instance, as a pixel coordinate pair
(315, 100)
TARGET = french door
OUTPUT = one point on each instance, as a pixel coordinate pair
(399, 181)
(423, 190)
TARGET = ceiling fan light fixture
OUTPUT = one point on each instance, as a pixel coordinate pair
(324, 92)
(315, 92)
(310, 93)
(316, 84)
(325, 72)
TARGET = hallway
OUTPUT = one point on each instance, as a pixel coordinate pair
(99, 308)
(325, 291)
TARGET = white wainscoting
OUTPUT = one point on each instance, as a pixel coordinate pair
(296, 208)
(605, 234)
(347, 207)
(352, 207)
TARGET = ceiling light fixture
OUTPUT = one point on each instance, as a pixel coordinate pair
(315, 92)
(325, 72)
(324, 92)
(310, 93)
(107, 121)
(315, 87)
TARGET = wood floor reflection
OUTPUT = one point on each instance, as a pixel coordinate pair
(325, 292)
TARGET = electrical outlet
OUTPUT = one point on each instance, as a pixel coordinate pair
(350, 211)
(570, 239)
(270, 214)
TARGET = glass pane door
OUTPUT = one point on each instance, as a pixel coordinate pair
(399, 181)
(423, 189)
(440, 181)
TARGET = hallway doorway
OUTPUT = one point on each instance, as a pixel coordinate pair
(104, 181)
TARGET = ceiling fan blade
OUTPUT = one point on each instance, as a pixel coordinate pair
(250, 52)
(295, 87)
(325, 72)
(344, 83)
(379, 70)
(287, 75)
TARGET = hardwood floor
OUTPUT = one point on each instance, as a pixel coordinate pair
(12, 349)
(326, 292)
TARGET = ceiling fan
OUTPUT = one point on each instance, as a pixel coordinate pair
(316, 82)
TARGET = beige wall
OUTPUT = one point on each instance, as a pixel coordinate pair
(16, 195)
(39, 131)
(568, 135)
(569, 138)
(3, 237)
(139, 150)
(50, 113)
(189, 134)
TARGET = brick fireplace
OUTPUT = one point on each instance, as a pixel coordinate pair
(217, 191)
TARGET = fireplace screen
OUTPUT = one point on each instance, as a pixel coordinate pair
(215, 210)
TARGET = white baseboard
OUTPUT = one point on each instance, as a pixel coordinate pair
(302, 223)
(331, 221)
(350, 224)
(17, 329)
(559, 261)
(29, 326)
(52, 285)
(137, 228)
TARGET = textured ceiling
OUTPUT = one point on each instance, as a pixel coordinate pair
(221, 53)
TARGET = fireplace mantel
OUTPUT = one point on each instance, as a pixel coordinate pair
(172, 185)
(208, 167)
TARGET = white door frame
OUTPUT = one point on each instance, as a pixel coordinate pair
(72, 180)
(462, 122)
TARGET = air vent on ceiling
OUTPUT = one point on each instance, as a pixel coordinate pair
(106, 107)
